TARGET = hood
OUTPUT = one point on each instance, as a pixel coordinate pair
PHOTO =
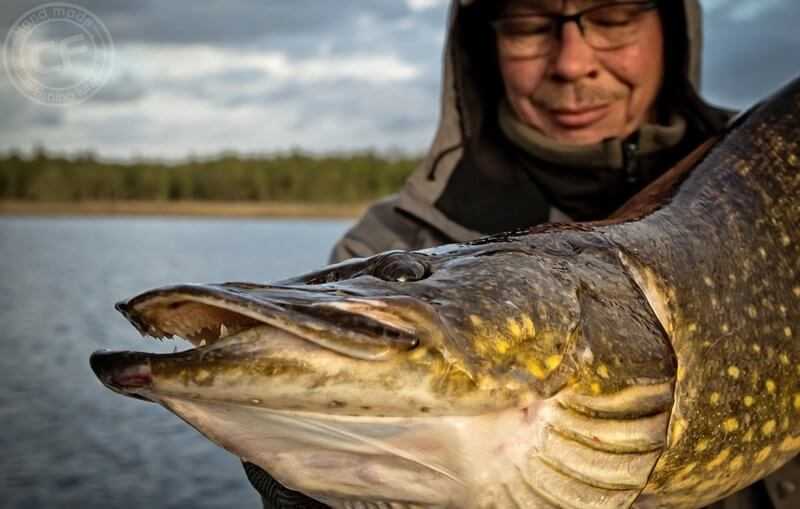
(471, 89)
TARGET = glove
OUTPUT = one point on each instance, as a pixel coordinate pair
(276, 496)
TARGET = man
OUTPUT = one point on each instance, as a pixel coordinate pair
(553, 110)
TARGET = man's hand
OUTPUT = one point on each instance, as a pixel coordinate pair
(275, 495)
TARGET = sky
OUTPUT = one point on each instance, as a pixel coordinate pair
(257, 76)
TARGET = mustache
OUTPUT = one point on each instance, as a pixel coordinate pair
(580, 95)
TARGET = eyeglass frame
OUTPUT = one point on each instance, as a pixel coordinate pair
(561, 20)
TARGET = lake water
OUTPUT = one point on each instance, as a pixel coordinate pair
(65, 441)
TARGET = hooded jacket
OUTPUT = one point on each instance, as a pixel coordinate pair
(476, 181)
(480, 176)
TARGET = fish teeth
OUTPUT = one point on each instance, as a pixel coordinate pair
(202, 343)
(223, 331)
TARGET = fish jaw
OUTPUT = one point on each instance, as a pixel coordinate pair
(510, 458)
(390, 361)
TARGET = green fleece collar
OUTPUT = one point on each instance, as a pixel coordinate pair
(607, 154)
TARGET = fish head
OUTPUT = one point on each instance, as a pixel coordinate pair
(397, 358)
(406, 377)
(400, 333)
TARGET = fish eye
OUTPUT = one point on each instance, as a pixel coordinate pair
(401, 268)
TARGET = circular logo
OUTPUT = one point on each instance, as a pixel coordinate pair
(58, 54)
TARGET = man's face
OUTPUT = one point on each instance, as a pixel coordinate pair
(578, 94)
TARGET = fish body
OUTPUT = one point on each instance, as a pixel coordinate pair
(646, 361)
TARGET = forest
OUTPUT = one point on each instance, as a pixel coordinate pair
(293, 176)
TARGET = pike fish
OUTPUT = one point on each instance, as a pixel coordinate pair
(650, 360)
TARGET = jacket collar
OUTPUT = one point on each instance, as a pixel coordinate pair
(608, 154)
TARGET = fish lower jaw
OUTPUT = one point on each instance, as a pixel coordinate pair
(415, 462)
(510, 458)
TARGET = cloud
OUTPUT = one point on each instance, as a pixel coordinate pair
(750, 49)
(124, 87)
(421, 5)
(255, 76)
(742, 10)
(198, 62)
(18, 115)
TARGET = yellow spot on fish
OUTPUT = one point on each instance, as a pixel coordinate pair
(793, 160)
(787, 331)
(595, 388)
(756, 348)
(535, 368)
(790, 444)
(527, 326)
(785, 423)
(730, 425)
(763, 454)
(734, 372)
(785, 240)
(502, 345)
(552, 362)
(701, 446)
(202, 375)
(748, 401)
(476, 320)
(418, 354)
(685, 471)
(742, 168)
(513, 328)
(692, 327)
(768, 428)
(784, 359)
(736, 463)
(796, 291)
(725, 328)
(705, 487)
(708, 281)
(721, 457)
(602, 371)
(797, 402)
(748, 437)
(752, 312)
(762, 252)
(714, 398)
(770, 385)
(677, 431)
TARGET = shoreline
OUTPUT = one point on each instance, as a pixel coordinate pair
(287, 210)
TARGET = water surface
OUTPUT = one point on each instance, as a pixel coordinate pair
(66, 440)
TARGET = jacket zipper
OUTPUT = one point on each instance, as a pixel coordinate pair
(630, 151)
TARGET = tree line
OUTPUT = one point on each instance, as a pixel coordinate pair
(292, 177)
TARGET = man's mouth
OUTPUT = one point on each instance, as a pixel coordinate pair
(576, 118)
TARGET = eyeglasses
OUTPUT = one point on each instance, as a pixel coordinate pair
(604, 27)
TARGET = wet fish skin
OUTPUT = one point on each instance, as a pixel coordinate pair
(651, 360)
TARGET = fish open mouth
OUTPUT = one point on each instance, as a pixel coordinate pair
(212, 317)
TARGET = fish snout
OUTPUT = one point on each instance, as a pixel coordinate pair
(123, 372)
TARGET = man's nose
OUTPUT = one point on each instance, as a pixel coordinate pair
(574, 58)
